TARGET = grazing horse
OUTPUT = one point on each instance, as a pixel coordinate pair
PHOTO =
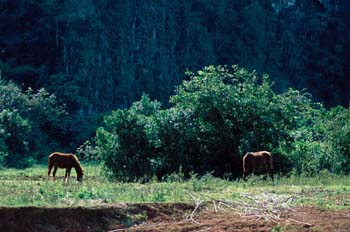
(67, 161)
(255, 162)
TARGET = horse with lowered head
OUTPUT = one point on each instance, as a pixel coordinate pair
(257, 162)
(67, 161)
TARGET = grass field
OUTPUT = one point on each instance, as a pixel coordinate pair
(31, 187)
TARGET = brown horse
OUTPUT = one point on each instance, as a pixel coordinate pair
(67, 161)
(257, 162)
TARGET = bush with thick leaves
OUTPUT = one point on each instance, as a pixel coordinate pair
(215, 117)
(14, 135)
(30, 124)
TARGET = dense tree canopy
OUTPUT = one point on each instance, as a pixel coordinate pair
(101, 55)
(31, 124)
(67, 63)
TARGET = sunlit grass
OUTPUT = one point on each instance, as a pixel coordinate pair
(31, 187)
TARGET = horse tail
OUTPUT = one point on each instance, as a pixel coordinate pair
(50, 163)
(50, 159)
(271, 165)
(271, 161)
(245, 164)
(51, 156)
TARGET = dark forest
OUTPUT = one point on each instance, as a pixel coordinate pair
(66, 65)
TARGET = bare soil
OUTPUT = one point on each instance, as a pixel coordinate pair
(165, 217)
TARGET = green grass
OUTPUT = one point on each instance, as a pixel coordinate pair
(31, 187)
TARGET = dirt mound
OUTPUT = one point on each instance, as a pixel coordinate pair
(299, 219)
(85, 219)
(60, 219)
(164, 217)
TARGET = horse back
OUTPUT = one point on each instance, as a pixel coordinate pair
(62, 160)
(266, 158)
(258, 159)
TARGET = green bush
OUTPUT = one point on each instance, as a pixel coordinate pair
(235, 111)
(14, 132)
(30, 124)
(321, 142)
(122, 142)
(338, 134)
(215, 117)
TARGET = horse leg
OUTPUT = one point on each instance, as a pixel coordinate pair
(268, 169)
(244, 175)
(254, 168)
(54, 172)
(66, 178)
(271, 173)
(49, 170)
(68, 174)
(244, 172)
(271, 168)
(248, 169)
(265, 170)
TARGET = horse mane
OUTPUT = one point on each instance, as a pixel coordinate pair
(77, 166)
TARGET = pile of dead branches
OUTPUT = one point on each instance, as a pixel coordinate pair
(265, 206)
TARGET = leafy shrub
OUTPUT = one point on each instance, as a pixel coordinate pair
(122, 142)
(337, 130)
(215, 117)
(14, 132)
(30, 124)
(320, 143)
(88, 151)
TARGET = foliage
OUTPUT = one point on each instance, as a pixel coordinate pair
(14, 131)
(236, 111)
(73, 50)
(80, 56)
(88, 151)
(319, 143)
(123, 143)
(339, 136)
(216, 116)
(29, 124)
